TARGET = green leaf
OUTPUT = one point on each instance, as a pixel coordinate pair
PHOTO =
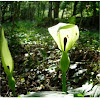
(78, 95)
(95, 92)
(82, 90)
(22, 80)
(72, 20)
(6, 57)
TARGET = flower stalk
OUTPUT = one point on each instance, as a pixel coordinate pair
(64, 81)
(64, 65)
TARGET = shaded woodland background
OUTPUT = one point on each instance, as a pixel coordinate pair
(86, 14)
(36, 55)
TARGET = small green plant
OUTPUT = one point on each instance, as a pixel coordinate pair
(87, 90)
(65, 36)
(72, 20)
(7, 61)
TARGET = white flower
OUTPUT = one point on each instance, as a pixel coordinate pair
(65, 35)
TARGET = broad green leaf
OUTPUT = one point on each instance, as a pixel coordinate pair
(6, 57)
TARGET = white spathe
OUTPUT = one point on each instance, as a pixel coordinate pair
(63, 30)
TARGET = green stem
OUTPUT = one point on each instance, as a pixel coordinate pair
(11, 83)
(64, 81)
(64, 65)
(14, 94)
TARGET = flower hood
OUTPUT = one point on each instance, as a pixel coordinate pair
(65, 35)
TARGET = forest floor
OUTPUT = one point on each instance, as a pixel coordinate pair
(36, 60)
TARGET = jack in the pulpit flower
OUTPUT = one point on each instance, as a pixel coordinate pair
(65, 35)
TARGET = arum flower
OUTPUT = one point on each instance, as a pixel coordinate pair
(7, 61)
(65, 35)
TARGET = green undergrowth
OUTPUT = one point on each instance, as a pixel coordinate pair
(37, 55)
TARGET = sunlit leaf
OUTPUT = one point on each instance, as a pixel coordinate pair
(95, 92)
(82, 90)
(47, 94)
(78, 95)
